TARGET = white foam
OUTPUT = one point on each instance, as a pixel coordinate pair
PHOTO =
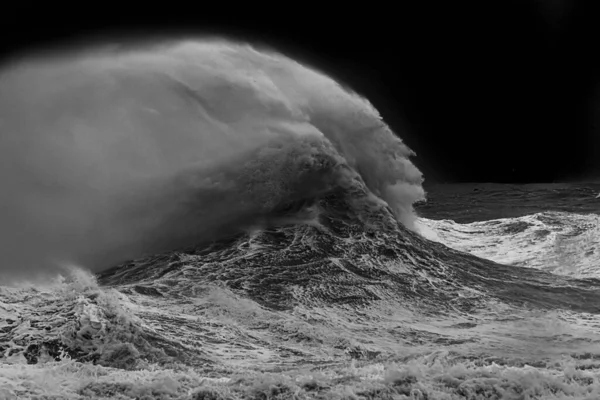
(561, 243)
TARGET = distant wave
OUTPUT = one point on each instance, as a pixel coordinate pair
(108, 155)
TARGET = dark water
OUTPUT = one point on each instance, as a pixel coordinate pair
(469, 202)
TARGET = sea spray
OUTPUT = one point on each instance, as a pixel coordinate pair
(112, 154)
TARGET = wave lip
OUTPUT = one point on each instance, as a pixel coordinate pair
(106, 155)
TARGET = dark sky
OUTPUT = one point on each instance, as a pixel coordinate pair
(503, 91)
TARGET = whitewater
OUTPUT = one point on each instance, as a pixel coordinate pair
(207, 219)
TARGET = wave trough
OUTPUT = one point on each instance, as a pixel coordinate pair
(109, 155)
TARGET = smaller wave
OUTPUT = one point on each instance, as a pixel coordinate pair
(71, 318)
(557, 242)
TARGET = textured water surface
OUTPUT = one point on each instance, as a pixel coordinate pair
(253, 225)
(333, 308)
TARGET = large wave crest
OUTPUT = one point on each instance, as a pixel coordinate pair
(108, 155)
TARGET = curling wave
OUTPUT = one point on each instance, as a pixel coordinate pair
(108, 155)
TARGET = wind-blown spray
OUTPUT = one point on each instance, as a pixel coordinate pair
(108, 155)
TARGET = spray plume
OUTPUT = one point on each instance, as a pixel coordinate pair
(108, 155)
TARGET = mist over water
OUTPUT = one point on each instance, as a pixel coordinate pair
(109, 155)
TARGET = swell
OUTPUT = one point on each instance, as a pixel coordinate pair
(109, 155)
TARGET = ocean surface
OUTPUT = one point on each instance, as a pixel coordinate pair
(306, 261)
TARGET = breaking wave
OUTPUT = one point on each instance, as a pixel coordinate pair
(324, 292)
(108, 155)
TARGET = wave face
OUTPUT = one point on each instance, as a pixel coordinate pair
(107, 156)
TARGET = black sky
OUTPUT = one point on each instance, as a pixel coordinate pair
(492, 91)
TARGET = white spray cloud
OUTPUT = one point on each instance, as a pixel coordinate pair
(105, 156)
